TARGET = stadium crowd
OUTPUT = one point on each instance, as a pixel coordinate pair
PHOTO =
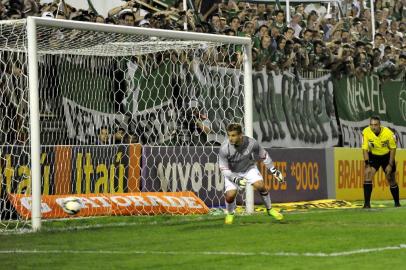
(339, 40)
(316, 37)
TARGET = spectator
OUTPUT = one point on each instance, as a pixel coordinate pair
(289, 33)
(196, 125)
(261, 12)
(401, 67)
(312, 21)
(279, 22)
(103, 136)
(361, 64)
(294, 24)
(126, 17)
(387, 53)
(300, 9)
(301, 56)
(245, 19)
(248, 30)
(345, 64)
(274, 34)
(235, 25)
(308, 41)
(389, 68)
(223, 24)
(262, 31)
(383, 27)
(119, 135)
(321, 56)
(380, 43)
(280, 61)
(263, 54)
(215, 24)
(376, 57)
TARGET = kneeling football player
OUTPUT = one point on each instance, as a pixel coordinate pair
(237, 161)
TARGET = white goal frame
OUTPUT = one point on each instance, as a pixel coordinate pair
(34, 22)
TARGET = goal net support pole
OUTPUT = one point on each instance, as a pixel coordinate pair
(34, 124)
(248, 118)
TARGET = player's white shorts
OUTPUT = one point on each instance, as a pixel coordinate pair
(252, 175)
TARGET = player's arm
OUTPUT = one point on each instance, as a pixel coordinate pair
(389, 168)
(392, 153)
(267, 160)
(392, 147)
(223, 164)
(365, 148)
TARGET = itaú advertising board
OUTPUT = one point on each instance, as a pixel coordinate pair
(349, 175)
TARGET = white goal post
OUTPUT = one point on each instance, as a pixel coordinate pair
(34, 97)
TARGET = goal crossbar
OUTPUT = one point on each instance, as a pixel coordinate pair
(141, 31)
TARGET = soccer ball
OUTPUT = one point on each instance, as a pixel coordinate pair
(71, 205)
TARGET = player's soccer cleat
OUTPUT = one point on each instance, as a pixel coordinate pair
(366, 206)
(229, 219)
(397, 204)
(275, 214)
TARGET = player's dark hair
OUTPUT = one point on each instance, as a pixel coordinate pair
(376, 117)
(234, 127)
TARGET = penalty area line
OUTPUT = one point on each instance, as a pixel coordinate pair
(207, 253)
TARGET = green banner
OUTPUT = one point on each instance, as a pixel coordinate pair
(97, 91)
(394, 94)
(86, 80)
(90, 81)
(147, 88)
(358, 99)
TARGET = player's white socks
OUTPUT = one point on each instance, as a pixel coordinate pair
(266, 199)
(230, 207)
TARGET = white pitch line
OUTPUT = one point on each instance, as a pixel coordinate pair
(207, 253)
(105, 225)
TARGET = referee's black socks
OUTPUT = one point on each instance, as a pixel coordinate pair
(367, 194)
(395, 193)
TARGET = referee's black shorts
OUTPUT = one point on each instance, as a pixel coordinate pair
(376, 161)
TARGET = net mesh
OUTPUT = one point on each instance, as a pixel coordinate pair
(119, 113)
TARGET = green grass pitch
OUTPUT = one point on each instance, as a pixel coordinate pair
(315, 239)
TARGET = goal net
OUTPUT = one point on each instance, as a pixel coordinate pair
(122, 112)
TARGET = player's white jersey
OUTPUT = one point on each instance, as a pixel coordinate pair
(238, 159)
